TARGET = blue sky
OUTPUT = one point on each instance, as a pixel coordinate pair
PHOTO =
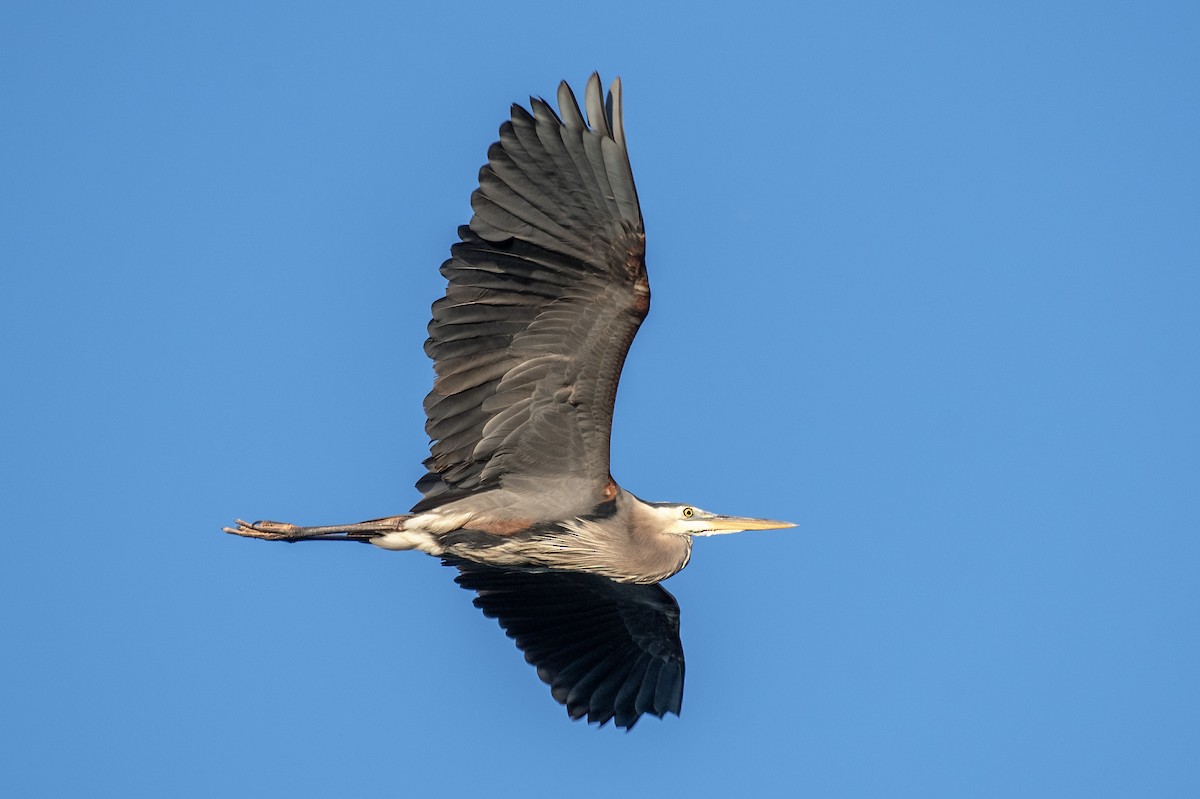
(926, 281)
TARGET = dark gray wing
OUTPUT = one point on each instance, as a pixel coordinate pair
(607, 650)
(546, 291)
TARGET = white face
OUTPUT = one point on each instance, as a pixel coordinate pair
(690, 520)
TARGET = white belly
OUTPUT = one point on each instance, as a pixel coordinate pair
(422, 532)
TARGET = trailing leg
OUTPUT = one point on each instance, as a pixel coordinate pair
(283, 531)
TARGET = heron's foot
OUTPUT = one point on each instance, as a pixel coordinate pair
(266, 530)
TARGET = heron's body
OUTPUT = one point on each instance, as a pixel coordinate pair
(546, 290)
(604, 541)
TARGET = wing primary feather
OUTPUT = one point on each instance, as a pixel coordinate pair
(568, 107)
(616, 112)
(594, 99)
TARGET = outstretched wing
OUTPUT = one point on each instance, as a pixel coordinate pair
(607, 650)
(546, 291)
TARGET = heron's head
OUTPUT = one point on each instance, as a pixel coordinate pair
(690, 520)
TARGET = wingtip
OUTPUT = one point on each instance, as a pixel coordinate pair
(594, 101)
(615, 107)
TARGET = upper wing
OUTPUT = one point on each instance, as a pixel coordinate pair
(608, 650)
(546, 291)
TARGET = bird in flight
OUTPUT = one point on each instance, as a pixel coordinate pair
(546, 289)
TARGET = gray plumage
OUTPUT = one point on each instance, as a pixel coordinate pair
(546, 289)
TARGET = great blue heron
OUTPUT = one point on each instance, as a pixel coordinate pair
(547, 288)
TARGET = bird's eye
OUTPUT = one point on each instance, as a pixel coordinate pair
(688, 513)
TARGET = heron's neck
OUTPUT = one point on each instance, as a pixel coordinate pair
(654, 555)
